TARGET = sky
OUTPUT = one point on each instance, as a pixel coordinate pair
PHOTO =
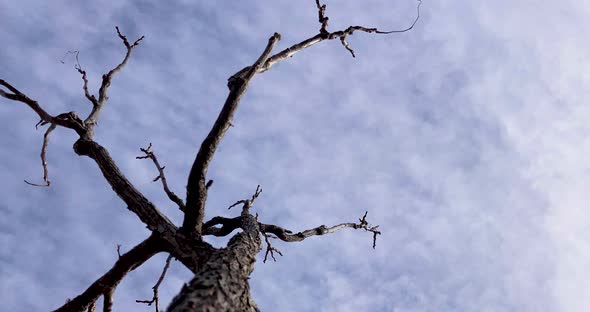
(464, 139)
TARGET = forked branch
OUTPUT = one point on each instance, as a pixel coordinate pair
(324, 34)
(105, 284)
(196, 187)
(97, 105)
(270, 249)
(150, 154)
(44, 158)
(155, 299)
(68, 120)
(288, 236)
(228, 225)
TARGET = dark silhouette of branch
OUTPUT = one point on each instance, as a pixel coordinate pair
(322, 18)
(82, 72)
(325, 35)
(155, 299)
(196, 187)
(107, 305)
(228, 225)
(97, 105)
(288, 236)
(125, 264)
(228, 267)
(68, 120)
(44, 158)
(270, 250)
(247, 202)
(135, 200)
(150, 154)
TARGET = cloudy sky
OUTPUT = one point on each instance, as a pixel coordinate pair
(465, 139)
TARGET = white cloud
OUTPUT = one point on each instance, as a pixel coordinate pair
(465, 139)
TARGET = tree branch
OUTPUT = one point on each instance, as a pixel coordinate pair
(155, 299)
(68, 120)
(97, 106)
(125, 264)
(135, 200)
(196, 186)
(325, 35)
(270, 250)
(288, 236)
(44, 158)
(149, 154)
(228, 225)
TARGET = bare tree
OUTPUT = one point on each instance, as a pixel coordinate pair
(221, 274)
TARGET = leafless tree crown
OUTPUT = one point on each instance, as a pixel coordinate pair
(221, 274)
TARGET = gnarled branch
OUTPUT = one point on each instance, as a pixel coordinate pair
(196, 187)
(135, 200)
(228, 225)
(68, 120)
(97, 106)
(155, 299)
(288, 236)
(106, 283)
(150, 154)
(326, 35)
(44, 157)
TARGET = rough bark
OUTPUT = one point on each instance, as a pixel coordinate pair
(222, 283)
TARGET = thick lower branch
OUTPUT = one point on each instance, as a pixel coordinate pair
(196, 187)
(136, 202)
(125, 264)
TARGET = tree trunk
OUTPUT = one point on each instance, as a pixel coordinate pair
(221, 284)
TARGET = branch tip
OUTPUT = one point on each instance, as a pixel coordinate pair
(171, 195)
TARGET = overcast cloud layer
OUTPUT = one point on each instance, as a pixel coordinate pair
(465, 139)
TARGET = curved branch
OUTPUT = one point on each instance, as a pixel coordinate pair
(106, 283)
(155, 299)
(135, 200)
(67, 120)
(325, 35)
(44, 158)
(228, 225)
(288, 236)
(196, 187)
(171, 195)
(97, 106)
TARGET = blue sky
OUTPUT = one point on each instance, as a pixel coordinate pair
(465, 139)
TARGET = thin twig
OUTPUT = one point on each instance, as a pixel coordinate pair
(155, 299)
(82, 72)
(44, 158)
(107, 305)
(351, 29)
(270, 249)
(97, 106)
(248, 202)
(150, 154)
